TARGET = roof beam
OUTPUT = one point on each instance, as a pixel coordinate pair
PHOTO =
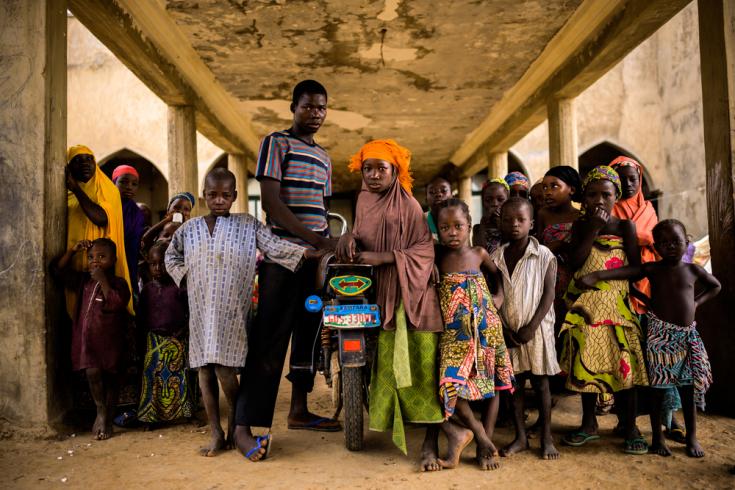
(148, 41)
(595, 38)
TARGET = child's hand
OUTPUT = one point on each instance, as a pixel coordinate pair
(525, 334)
(346, 248)
(510, 338)
(82, 245)
(435, 275)
(588, 281)
(370, 258)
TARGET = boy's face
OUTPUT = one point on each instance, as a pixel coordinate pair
(219, 195)
(101, 257)
(128, 185)
(437, 192)
(516, 221)
(156, 264)
(453, 226)
(629, 181)
(493, 197)
(310, 111)
(181, 205)
(377, 174)
(671, 243)
(599, 194)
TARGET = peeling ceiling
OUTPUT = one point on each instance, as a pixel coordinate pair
(425, 73)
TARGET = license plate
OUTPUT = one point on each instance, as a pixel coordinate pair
(351, 316)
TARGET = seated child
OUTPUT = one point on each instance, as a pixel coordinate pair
(528, 270)
(473, 359)
(216, 254)
(674, 350)
(100, 323)
(163, 312)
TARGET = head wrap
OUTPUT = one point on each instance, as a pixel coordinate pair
(569, 176)
(623, 161)
(122, 170)
(185, 195)
(391, 152)
(603, 172)
(496, 181)
(517, 178)
(77, 150)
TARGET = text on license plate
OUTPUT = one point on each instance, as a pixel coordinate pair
(351, 316)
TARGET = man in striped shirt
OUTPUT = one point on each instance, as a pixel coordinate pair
(295, 177)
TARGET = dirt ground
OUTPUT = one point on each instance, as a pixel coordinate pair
(167, 458)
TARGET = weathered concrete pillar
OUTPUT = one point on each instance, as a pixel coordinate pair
(182, 151)
(714, 319)
(497, 165)
(465, 189)
(238, 165)
(33, 200)
(562, 133)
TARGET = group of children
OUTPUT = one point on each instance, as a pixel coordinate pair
(542, 292)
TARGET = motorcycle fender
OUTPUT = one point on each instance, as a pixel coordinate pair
(352, 348)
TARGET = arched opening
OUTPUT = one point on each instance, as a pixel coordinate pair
(153, 188)
(605, 152)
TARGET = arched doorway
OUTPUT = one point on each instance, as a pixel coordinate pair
(605, 152)
(153, 188)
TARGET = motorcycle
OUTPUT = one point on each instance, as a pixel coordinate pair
(350, 326)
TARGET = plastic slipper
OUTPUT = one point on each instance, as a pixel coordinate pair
(629, 446)
(258, 445)
(578, 438)
(317, 425)
(676, 435)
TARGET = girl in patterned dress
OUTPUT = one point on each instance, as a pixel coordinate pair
(601, 350)
(473, 360)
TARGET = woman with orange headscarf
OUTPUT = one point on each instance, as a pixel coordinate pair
(390, 233)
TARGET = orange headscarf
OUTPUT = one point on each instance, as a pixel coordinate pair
(391, 152)
(640, 212)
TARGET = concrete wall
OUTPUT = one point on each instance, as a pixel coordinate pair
(650, 104)
(32, 224)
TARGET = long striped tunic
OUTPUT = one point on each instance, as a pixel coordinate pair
(305, 174)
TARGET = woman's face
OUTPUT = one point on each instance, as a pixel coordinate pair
(82, 168)
(630, 180)
(599, 194)
(128, 185)
(377, 174)
(181, 205)
(556, 191)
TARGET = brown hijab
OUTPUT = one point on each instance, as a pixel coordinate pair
(394, 222)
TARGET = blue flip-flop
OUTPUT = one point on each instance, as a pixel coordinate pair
(259, 445)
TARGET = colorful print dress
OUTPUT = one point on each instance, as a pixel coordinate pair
(601, 346)
(473, 360)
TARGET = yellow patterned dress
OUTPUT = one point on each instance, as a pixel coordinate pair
(601, 336)
(474, 362)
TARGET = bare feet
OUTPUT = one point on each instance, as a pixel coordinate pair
(659, 448)
(548, 450)
(516, 446)
(98, 426)
(430, 453)
(458, 438)
(217, 445)
(245, 442)
(694, 450)
(486, 458)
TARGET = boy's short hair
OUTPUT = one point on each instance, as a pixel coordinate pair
(160, 247)
(106, 242)
(518, 202)
(656, 232)
(220, 174)
(307, 87)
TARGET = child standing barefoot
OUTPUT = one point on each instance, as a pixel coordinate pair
(163, 312)
(675, 352)
(100, 322)
(216, 254)
(473, 360)
(601, 346)
(486, 233)
(529, 273)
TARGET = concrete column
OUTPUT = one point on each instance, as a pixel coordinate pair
(717, 52)
(497, 165)
(182, 151)
(562, 133)
(465, 189)
(33, 200)
(238, 165)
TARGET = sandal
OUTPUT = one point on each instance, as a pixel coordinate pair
(578, 438)
(676, 435)
(637, 445)
(259, 445)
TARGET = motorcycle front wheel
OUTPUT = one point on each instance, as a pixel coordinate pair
(353, 408)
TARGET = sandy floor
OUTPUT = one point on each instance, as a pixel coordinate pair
(167, 459)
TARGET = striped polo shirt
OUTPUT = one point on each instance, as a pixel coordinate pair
(305, 173)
